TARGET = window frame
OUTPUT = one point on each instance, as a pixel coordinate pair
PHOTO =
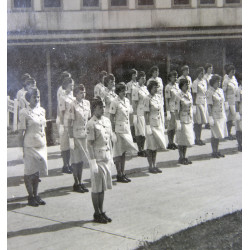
(52, 8)
(13, 8)
(232, 4)
(145, 6)
(180, 6)
(207, 5)
(118, 7)
(91, 7)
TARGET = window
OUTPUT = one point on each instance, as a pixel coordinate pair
(233, 1)
(145, 2)
(22, 4)
(52, 3)
(90, 3)
(118, 2)
(181, 2)
(207, 1)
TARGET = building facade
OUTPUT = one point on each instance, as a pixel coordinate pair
(46, 37)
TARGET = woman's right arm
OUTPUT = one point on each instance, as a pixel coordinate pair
(21, 137)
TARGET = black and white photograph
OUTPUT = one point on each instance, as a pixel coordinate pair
(124, 124)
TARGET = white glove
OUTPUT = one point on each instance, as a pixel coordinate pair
(211, 121)
(148, 130)
(61, 129)
(168, 115)
(194, 110)
(135, 119)
(93, 166)
(178, 125)
(226, 106)
(237, 116)
(114, 137)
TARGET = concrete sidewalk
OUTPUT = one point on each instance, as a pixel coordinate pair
(151, 206)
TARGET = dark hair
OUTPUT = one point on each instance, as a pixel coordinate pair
(207, 66)
(172, 73)
(199, 70)
(108, 78)
(119, 87)
(102, 74)
(214, 79)
(182, 83)
(30, 81)
(66, 82)
(133, 71)
(78, 88)
(141, 74)
(185, 67)
(151, 84)
(95, 102)
(31, 92)
(153, 69)
(229, 68)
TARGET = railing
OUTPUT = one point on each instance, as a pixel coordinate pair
(12, 107)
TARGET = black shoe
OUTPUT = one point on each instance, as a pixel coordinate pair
(78, 188)
(106, 217)
(188, 161)
(220, 154)
(215, 155)
(152, 171)
(84, 188)
(174, 146)
(207, 126)
(66, 170)
(201, 143)
(98, 218)
(196, 142)
(183, 161)
(39, 200)
(141, 154)
(158, 170)
(170, 146)
(126, 178)
(121, 179)
(32, 202)
(71, 168)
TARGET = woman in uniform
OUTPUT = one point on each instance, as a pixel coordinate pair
(230, 86)
(80, 114)
(217, 115)
(184, 122)
(155, 138)
(238, 123)
(171, 92)
(185, 75)
(109, 95)
(138, 95)
(32, 138)
(120, 109)
(199, 89)
(99, 134)
(65, 115)
(99, 89)
(154, 75)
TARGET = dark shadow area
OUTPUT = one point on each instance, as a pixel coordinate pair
(13, 206)
(50, 228)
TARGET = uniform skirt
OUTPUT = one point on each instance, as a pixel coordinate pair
(231, 113)
(219, 130)
(185, 136)
(79, 153)
(101, 178)
(64, 140)
(123, 144)
(35, 160)
(140, 128)
(157, 139)
(172, 122)
(201, 116)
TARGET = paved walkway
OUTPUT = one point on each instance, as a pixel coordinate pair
(151, 206)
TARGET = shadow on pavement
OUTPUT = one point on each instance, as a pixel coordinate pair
(14, 163)
(49, 228)
(13, 206)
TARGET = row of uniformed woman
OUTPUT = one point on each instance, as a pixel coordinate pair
(124, 112)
